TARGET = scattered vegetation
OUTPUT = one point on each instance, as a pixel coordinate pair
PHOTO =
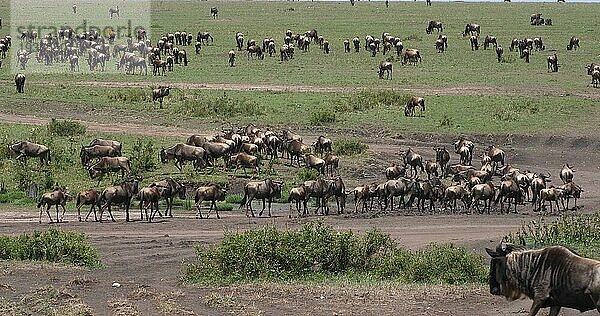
(370, 99)
(130, 95)
(196, 105)
(514, 110)
(306, 174)
(143, 156)
(319, 252)
(322, 117)
(65, 128)
(576, 231)
(52, 245)
(349, 147)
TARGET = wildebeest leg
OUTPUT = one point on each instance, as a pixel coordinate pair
(93, 208)
(110, 213)
(270, 200)
(263, 208)
(126, 211)
(249, 206)
(198, 213)
(64, 210)
(41, 211)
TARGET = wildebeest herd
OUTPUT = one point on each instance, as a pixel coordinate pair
(435, 185)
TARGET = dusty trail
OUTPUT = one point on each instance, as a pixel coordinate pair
(438, 91)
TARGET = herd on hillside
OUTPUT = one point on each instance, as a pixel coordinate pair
(169, 50)
(433, 186)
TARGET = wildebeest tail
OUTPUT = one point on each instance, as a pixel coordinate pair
(244, 200)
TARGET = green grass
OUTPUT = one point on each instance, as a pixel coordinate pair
(577, 231)
(52, 245)
(318, 252)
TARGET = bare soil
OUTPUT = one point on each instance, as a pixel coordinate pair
(146, 258)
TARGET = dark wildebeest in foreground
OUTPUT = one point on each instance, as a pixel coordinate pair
(552, 277)
(26, 149)
(265, 190)
(170, 188)
(57, 197)
(119, 194)
(20, 82)
(211, 193)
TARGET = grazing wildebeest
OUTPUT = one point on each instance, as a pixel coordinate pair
(356, 43)
(434, 25)
(474, 42)
(525, 55)
(490, 40)
(182, 153)
(159, 94)
(56, 197)
(571, 191)
(322, 145)
(114, 10)
(107, 142)
(298, 195)
(203, 37)
(169, 189)
(411, 55)
(552, 277)
(108, 164)
(119, 194)
(20, 82)
(214, 11)
(87, 153)
(211, 193)
(265, 190)
(244, 160)
(88, 197)
(472, 29)
(573, 43)
(26, 149)
(553, 63)
(385, 67)
(414, 102)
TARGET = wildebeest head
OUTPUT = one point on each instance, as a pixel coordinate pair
(94, 173)
(163, 156)
(498, 276)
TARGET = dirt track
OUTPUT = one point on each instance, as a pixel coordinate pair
(145, 258)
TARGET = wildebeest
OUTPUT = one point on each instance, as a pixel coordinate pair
(442, 156)
(159, 94)
(573, 43)
(245, 160)
(490, 40)
(56, 197)
(414, 102)
(414, 160)
(20, 82)
(211, 193)
(169, 189)
(571, 190)
(473, 29)
(434, 25)
(525, 55)
(26, 149)
(411, 55)
(119, 194)
(298, 195)
(108, 164)
(553, 63)
(552, 277)
(566, 173)
(483, 192)
(322, 145)
(87, 153)
(204, 37)
(214, 11)
(182, 153)
(509, 189)
(231, 55)
(439, 46)
(265, 190)
(496, 154)
(474, 42)
(88, 197)
(149, 198)
(499, 53)
(107, 142)
(112, 11)
(385, 67)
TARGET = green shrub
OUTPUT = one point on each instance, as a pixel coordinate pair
(306, 174)
(446, 121)
(65, 128)
(349, 147)
(130, 95)
(143, 156)
(317, 250)
(516, 109)
(52, 245)
(369, 99)
(196, 105)
(576, 231)
(322, 117)
(234, 198)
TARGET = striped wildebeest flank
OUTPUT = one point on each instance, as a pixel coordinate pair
(434, 25)
(215, 12)
(552, 277)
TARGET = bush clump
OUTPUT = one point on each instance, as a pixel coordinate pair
(322, 117)
(66, 128)
(317, 251)
(52, 245)
(576, 231)
(143, 156)
(367, 100)
(349, 147)
(223, 106)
